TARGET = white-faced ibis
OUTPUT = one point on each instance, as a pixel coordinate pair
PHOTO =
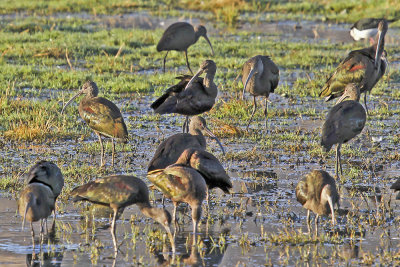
(181, 184)
(171, 149)
(118, 192)
(260, 77)
(191, 96)
(102, 115)
(396, 187)
(36, 202)
(364, 67)
(179, 36)
(344, 121)
(317, 192)
(208, 166)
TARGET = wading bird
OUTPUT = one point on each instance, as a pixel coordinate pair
(191, 96)
(364, 67)
(118, 192)
(179, 36)
(317, 192)
(47, 173)
(260, 77)
(102, 115)
(344, 121)
(171, 149)
(181, 184)
(36, 202)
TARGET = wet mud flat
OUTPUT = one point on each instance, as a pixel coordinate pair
(260, 223)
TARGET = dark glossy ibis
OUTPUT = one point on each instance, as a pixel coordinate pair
(36, 202)
(171, 149)
(179, 36)
(317, 192)
(181, 183)
(344, 121)
(260, 77)
(102, 115)
(191, 96)
(47, 173)
(118, 192)
(364, 67)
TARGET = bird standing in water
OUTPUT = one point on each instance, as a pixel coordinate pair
(317, 192)
(118, 192)
(344, 121)
(102, 115)
(260, 77)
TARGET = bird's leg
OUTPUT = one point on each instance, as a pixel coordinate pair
(113, 152)
(337, 161)
(365, 102)
(102, 150)
(316, 225)
(340, 159)
(185, 127)
(266, 112)
(33, 237)
(113, 231)
(252, 114)
(165, 59)
(47, 229)
(187, 62)
(308, 222)
(195, 223)
(176, 226)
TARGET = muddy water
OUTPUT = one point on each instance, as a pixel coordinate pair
(233, 230)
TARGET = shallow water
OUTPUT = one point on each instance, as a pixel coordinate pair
(235, 231)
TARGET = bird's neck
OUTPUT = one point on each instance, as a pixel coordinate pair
(200, 136)
(209, 85)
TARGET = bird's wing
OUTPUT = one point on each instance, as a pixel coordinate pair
(211, 169)
(171, 92)
(350, 70)
(106, 190)
(302, 192)
(104, 116)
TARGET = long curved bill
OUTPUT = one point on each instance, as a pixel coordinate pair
(341, 98)
(198, 73)
(247, 81)
(69, 101)
(208, 41)
(379, 47)
(212, 135)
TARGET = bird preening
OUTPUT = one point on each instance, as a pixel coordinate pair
(191, 96)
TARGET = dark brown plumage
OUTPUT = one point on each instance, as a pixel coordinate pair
(118, 192)
(363, 67)
(171, 149)
(317, 192)
(36, 202)
(344, 121)
(190, 96)
(260, 77)
(396, 187)
(102, 115)
(179, 36)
